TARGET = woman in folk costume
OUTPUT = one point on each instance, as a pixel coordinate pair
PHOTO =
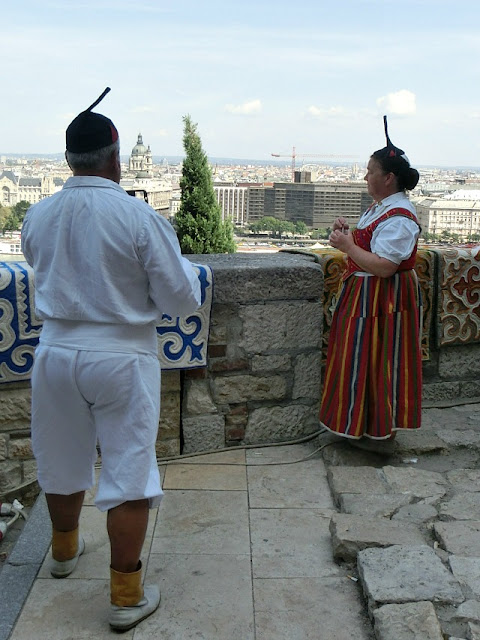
(373, 374)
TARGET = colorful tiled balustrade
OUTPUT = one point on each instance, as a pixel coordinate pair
(450, 283)
(182, 342)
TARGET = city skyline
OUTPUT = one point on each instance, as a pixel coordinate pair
(258, 77)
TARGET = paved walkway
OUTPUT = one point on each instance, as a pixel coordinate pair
(241, 549)
(239, 552)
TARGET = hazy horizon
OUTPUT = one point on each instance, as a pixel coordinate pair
(227, 160)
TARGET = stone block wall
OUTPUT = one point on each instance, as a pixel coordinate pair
(262, 382)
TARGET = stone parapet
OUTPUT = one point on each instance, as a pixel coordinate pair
(262, 382)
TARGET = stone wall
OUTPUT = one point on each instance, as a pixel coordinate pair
(262, 383)
(263, 378)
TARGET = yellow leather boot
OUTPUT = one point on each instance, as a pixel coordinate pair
(131, 603)
(67, 547)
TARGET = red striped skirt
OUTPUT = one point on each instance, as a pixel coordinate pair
(373, 374)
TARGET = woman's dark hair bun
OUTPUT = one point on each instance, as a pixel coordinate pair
(411, 179)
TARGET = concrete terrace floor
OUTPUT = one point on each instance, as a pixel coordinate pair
(241, 548)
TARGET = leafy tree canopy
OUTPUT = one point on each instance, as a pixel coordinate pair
(11, 218)
(272, 225)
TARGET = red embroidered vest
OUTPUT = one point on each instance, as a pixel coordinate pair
(363, 238)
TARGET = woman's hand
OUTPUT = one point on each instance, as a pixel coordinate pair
(340, 224)
(342, 240)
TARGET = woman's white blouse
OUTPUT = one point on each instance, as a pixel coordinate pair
(395, 238)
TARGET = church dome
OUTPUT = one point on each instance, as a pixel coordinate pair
(139, 149)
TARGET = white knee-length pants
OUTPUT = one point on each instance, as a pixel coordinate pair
(79, 397)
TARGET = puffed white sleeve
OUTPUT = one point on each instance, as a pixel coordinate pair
(395, 238)
(174, 286)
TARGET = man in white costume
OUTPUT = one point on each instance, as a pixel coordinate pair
(107, 267)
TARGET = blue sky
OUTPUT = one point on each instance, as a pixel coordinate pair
(257, 76)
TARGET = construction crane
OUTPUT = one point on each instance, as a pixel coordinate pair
(293, 155)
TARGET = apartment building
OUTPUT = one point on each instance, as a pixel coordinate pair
(454, 216)
(316, 204)
(232, 199)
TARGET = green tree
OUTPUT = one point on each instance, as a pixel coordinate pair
(301, 228)
(199, 220)
(12, 217)
(272, 225)
(320, 234)
(20, 209)
(4, 214)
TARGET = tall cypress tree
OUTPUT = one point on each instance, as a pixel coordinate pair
(199, 220)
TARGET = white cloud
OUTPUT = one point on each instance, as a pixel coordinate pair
(320, 112)
(245, 109)
(161, 133)
(400, 103)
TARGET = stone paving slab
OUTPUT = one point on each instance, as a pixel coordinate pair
(208, 522)
(210, 477)
(459, 538)
(415, 482)
(401, 574)
(473, 631)
(291, 543)
(469, 611)
(286, 453)
(460, 437)
(356, 480)
(416, 513)
(66, 610)
(419, 442)
(310, 609)
(289, 486)
(464, 480)
(374, 505)
(204, 596)
(410, 621)
(462, 506)
(467, 572)
(351, 534)
(234, 456)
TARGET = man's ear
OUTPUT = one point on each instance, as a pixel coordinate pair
(66, 158)
(113, 159)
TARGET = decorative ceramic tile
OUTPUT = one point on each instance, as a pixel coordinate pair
(182, 342)
(458, 318)
(426, 268)
(19, 328)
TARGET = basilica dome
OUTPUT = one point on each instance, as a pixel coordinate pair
(139, 149)
(141, 160)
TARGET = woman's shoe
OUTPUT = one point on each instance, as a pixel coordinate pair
(385, 447)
